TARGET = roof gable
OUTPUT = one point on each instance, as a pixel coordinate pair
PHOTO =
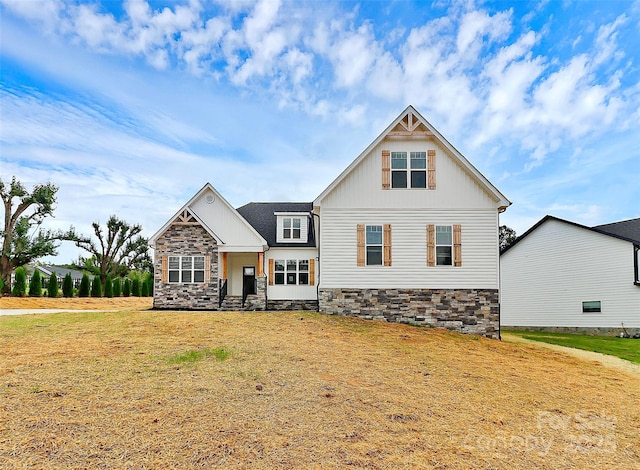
(410, 124)
(547, 218)
(199, 210)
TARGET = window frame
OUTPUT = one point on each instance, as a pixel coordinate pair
(403, 173)
(368, 244)
(283, 269)
(443, 245)
(592, 309)
(186, 270)
(289, 224)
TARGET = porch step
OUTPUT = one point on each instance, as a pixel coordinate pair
(232, 303)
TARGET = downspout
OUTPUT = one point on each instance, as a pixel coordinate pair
(318, 281)
(636, 253)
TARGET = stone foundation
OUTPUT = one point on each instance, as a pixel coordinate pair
(582, 330)
(255, 302)
(473, 311)
(292, 305)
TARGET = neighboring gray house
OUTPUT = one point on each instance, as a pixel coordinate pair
(564, 276)
(408, 232)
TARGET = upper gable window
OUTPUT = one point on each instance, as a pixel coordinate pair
(292, 227)
(409, 172)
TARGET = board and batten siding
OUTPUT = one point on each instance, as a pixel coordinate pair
(227, 224)
(338, 267)
(549, 273)
(289, 292)
(362, 187)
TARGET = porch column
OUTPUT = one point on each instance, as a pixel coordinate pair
(224, 265)
(260, 264)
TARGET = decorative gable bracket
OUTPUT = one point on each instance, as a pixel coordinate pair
(410, 125)
(185, 218)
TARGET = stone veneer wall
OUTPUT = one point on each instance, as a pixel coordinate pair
(255, 302)
(473, 311)
(292, 304)
(186, 240)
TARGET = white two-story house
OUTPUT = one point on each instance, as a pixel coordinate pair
(408, 232)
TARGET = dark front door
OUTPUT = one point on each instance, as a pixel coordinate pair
(248, 281)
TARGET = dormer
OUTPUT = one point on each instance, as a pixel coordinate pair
(292, 227)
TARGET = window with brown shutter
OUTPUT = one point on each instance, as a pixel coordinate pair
(386, 169)
(457, 245)
(431, 169)
(207, 269)
(386, 231)
(165, 269)
(271, 272)
(431, 245)
(360, 242)
(312, 271)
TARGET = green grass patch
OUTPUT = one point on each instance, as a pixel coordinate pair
(195, 355)
(624, 348)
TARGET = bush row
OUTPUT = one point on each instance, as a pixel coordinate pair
(117, 287)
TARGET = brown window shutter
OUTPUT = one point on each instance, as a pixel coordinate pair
(207, 269)
(165, 269)
(271, 272)
(386, 241)
(457, 245)
(386, 169)
(431, 245)
(431, 166)
(360, 233)
(312, 272)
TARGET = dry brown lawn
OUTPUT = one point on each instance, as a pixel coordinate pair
(299, 390)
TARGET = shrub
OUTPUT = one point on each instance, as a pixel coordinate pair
(126, 288)
(67, 286)
(117, 287)
(135, 287)
(83, 290)
(20, 283)
(52, 287)
(35, 285)
(108, 287)
(96, 287)
(148, 280)
(144, 289)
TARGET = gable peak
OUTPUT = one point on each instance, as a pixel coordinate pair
(410, 124)
(185, 217)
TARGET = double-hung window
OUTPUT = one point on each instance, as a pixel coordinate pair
(291, 228)
(291, 272)
(186, 269)
(444, 245)
(373, 243)
(411, 172)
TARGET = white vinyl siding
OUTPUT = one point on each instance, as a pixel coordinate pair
(409, 268)
(298, 291)
(548, 275)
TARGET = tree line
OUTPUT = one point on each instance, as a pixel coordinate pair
(114, 250)
(137, 285)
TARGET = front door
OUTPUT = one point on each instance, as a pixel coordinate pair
(248, 281)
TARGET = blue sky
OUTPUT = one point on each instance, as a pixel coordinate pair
(131, 107)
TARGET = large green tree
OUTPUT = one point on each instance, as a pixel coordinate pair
(116, 250)
(22, 238)
(506, 236)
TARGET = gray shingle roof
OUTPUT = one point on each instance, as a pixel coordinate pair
(627, 229)
(262, 218)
